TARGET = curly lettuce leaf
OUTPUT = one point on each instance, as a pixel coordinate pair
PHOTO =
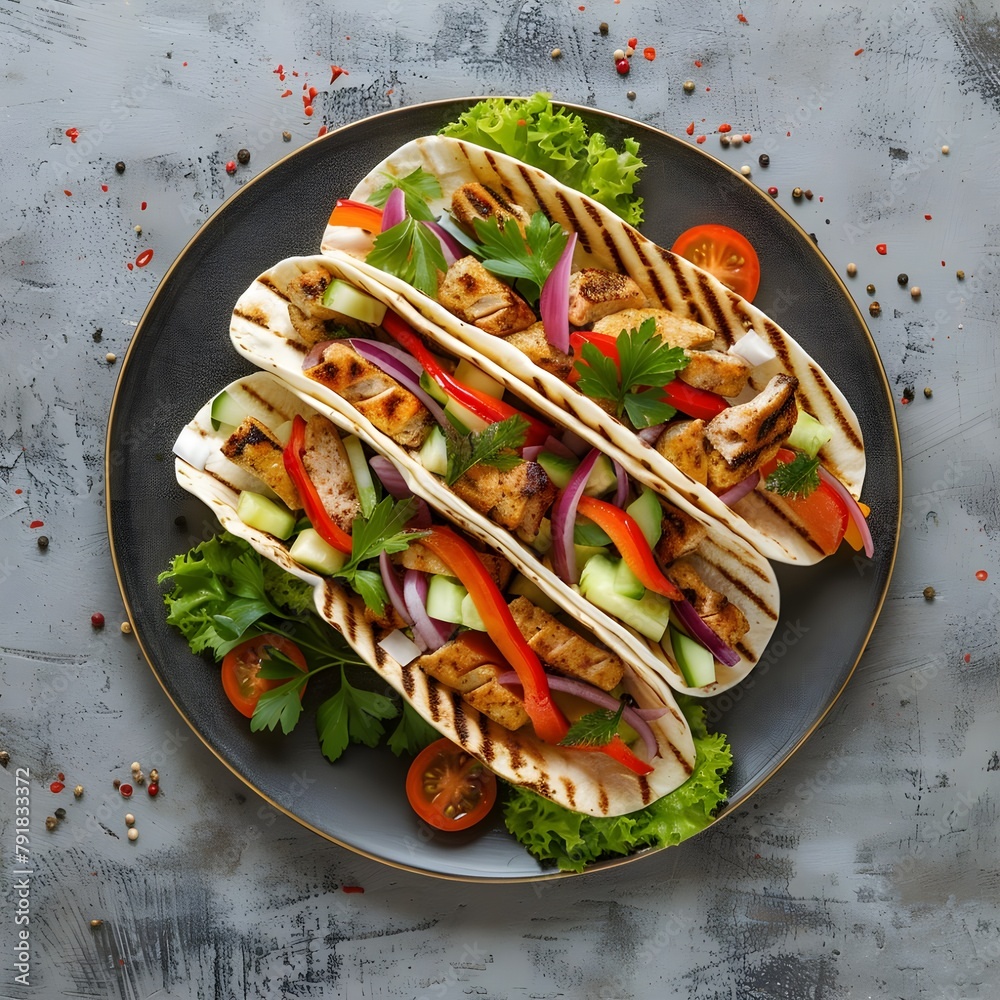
(558, 142)
(574, 840)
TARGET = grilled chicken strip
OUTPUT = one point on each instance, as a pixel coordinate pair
(325, 460)
(594, 293)
(676, 330)
(474, 295)
(718, 612)
(312, 320)
(716, 371)
(683, 444)
(536, 346)
(516, 499)
(681, 534)
(476, 201)
(391, 408)
(749, 434)
(419, 557)
(564, 650)
(255, 448)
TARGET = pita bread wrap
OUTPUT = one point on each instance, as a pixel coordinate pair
(263, 332)
(585, 782)
(605, 242)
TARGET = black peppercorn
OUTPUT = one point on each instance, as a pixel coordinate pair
(243, 156)
(43, 541)
(120, 167)
(902, 279)
(764, 160)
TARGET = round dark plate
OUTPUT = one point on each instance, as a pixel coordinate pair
(181, 355)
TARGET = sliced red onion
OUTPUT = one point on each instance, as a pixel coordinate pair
(857, 514)
(449, 245)
(314, 355)
(576, 444)
(433, 633)
(393, 587)
(532, 451)
(650, 435)
(556, 446)
(701, 632)
(404, 369)
(394, 210)
(621, 489)
(390, 477)
(570, 685)
(564, 519)
(736, 493)
(553, 305)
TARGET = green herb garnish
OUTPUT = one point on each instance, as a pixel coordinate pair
(646, 363)
(496, 445)
(595, 729)
(418, 187)
(797, 478)
(411, 252)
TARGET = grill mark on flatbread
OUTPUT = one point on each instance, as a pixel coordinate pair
(267, 283)
(823, 385)
(254, 316)
(408, 675)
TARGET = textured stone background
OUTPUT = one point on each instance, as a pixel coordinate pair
(866, 868)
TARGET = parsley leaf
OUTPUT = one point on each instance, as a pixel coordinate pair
(495, 445)
(526, 258)
(352, 715)
(384, 531)
(595, 729)
(281, 705)
(645, 364)
(411, 252)
(412, 733)
(418, 189)
(797, 478)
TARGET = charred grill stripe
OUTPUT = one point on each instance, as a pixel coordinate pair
(254, 317)
(266, 282)
(711, 300)
(652, 271)
(845, 425)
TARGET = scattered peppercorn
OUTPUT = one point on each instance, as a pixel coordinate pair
(875, 309)
(852, 269)
(556, 53)
(796, 193)
(231, 167)
(622, 65)
(808, 193)
(133, 834)
(97, 619)
(902, 278)
(915, 292)
(125, 628)
(138, 230)
(870, 289)
(631, 95)
(286, 136)
(120, 167)
(4, 758)
(946, 150)
(129, 819)
(725, 141)
(745, 170)
(772, 191)
(154, 789)
(603, 27)
(51, 823)
(689, 86)
(95, 923)
(908, 393)
(154, 775)
(116, 784)
(135, 767)
(929, 593)
(111, 357)
(43, 541)
(243, 156)
(960, 275)
(629, 51)
(736, 140)
(618, 54)
(78, 792)
(60, 813)
(764, 160)
(928, 392)
(125, 790)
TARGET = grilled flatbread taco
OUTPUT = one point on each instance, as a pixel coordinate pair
(263, 458)
(668, 587)
(748, 398)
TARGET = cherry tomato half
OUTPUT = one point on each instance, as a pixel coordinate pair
(724, 253)
(822, 513)
(241, 665)
(448, 788)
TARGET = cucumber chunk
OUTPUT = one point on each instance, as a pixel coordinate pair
(342, 297)
(433, 453)
(433, 389)
(523, 586)
(267, 515)
(313, 551)
(559, 468)
(226, 411)
(468, 374)
(648, 513)
(470, 615)
(697, 665)
(444, 599)
(627, 584)
(649, 615)
(808, 434)
(363, 482)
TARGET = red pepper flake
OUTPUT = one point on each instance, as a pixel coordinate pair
(37, 524)
(725, 127)
(144, 258)
(184, 63)
(322, 131)
(287, 93)
(142, 207)
(697, 63)
(67, 192)
(280, 71)
(982, 575)
(130, 265)
(858, 52)
(336, 71)
(649, 52)
(747, 137)
(904, 401)
(690, 129)
(928, 218)
(19, 491)
(295, 72)
(56, 787)
(881, 249)
(701, 138)
(312, 92)
(967, 657)
(73, 134)
(358, 888)
(633, 43)
(742, 18)
(104, 187)
(309, 111)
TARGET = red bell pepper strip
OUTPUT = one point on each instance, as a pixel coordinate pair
(619, 750)
(627, 536)
(356, 213)
(329, 530)
(690, 400)
(480, 403)
(549, 722)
